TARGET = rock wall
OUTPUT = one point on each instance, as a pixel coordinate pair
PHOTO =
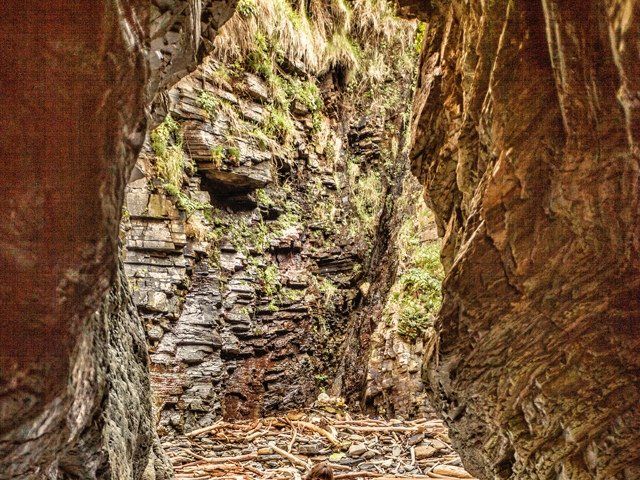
(77, 82)
(247, 274)
(404, 335)
(526, 133)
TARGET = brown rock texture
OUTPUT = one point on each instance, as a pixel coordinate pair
(74, 86)
(526, 131)
(76, 82)
(249, 278)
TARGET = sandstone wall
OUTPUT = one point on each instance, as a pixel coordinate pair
(526, 141)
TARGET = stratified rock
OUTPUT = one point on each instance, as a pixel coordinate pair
(526, 131)
(74, 391)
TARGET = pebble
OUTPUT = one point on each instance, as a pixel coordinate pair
(357, 449)
(415, 439)
(438, 445)
(425, 451)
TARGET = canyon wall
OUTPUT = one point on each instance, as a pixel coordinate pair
(526, 131)
(72, 358)
(255, 223)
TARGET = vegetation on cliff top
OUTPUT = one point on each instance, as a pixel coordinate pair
(317, 36)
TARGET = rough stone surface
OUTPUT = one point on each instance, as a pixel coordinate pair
(526, 141)
(76, 81)
(247, 303)
(394, 385)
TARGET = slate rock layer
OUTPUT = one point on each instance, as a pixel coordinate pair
(526, 131)
(76, 82)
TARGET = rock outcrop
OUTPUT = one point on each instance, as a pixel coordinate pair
(526, 131)
(76, 82)
(249, 266)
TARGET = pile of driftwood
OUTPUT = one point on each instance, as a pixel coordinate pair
(285, 448)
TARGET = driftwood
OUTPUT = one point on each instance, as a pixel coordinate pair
(287, 447)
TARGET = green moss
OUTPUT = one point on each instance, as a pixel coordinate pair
(220, 153)
(260, 60)
(289, 295)
(367, 193)
(185, 203)
(208, 102)
(233, 154)
(246, 8)
(247, 237)
(217, 156)
(278, 124)
(166, 142)
(329, 290)
(263, 198)
(270, 280)
(419, 38)
(417, 293)
(284, 222)
(306, 92)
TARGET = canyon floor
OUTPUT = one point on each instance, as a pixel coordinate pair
(287, 446)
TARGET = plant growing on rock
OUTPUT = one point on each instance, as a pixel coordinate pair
(270, 280)
(167, 143)
(246, 8)
(186, 203)
(278, 124)
(416, 296)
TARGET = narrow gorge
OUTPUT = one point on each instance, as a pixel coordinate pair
(388, 240)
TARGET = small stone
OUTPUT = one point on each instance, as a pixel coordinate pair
(438, 445)
(155, 332)
(357, 449)
(415, 439)
(424, 451)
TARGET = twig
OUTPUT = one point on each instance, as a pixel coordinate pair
(200, 431)
(357, 475)
(319, 430)
(293, 439)
(292, 458)
(381, 428)
(210, 460)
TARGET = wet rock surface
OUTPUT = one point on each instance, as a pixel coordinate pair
(526, 141)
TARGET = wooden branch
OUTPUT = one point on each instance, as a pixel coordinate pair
(292, 458)
(319, 430)
(200, 431)
(362, 474)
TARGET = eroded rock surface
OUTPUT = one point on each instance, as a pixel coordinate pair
(526, 141)
(249, 272)
(72, 360)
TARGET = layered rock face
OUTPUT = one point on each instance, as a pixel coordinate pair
(72, 357)
(404, 336)
(526, 137)
(249, 267)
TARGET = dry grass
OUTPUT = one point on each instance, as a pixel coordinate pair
(331, 34)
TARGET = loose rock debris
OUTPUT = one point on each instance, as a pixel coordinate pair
(287, 447)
